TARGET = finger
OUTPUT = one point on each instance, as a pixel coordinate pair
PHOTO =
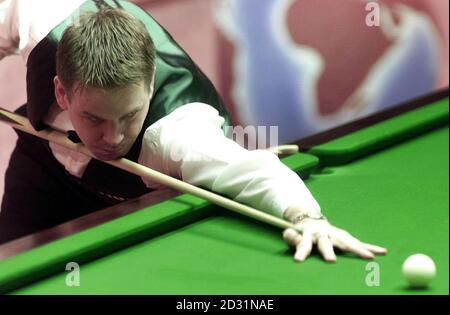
(326, 248)
(375, 249)
(304, 247)
(351, 244)
(292, 237)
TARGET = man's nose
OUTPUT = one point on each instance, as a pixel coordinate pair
(113, 134)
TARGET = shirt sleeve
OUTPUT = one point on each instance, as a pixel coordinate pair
(189, 144)
(9, 28)
(24, 23)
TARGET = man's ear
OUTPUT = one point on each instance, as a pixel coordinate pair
(61, 95)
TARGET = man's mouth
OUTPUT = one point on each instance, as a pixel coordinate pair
(108, 151)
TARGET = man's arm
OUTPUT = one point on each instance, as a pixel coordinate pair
(189, 144)
(24, 23)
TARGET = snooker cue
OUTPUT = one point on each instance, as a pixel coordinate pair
(22, 123)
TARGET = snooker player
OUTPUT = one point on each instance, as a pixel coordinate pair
(112, 78)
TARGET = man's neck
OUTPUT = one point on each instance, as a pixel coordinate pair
(58, 119)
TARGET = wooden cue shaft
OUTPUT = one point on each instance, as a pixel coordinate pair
(60, 138)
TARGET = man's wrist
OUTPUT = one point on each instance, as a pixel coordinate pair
(296, 211)
(302, 217)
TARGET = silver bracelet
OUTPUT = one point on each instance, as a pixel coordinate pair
(301, 217)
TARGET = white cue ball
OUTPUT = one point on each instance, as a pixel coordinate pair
(419, 270)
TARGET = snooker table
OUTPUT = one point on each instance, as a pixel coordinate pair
(385, 181)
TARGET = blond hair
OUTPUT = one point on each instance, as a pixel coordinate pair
(106, 49)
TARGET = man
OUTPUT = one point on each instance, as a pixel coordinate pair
(110, 76)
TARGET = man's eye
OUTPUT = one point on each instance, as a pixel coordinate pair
(131, 115)
(93, 119)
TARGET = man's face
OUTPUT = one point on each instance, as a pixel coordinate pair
(107, 121)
